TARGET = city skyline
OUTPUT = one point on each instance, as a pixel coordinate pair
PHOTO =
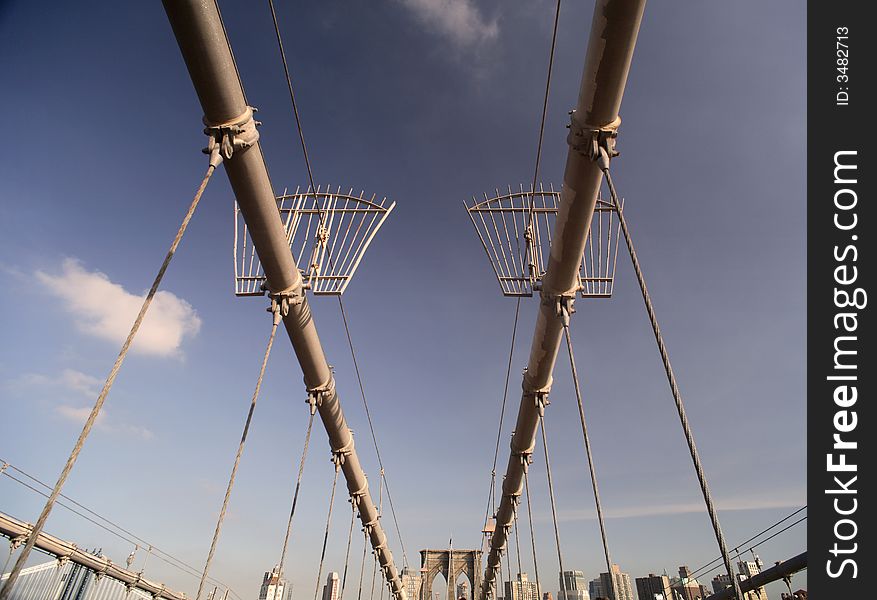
(439, 113)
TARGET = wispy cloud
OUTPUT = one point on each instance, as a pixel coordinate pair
(784, 500)
(459, 21)
(106, 310)
(81, 386)
(79, 414)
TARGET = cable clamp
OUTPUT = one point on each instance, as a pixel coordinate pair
(158, 594)
(541, 400)
(593, 143)
(316, 395)
(236, 134)
(17, 541)
(340, 454)
(283, 299)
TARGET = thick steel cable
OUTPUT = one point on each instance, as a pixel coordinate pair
(215, 160)
(591, 470)
(743, 545)
(328, 524)
(301, 468)
(372, 429)
(671, 379)
(168, 559)
(237, 459)
(530, 523)
(544, 112)
(307, 159)
(347, 554)
(491, 498)
(362, 565)
(757, 535)
(529, 224)
(553, 507)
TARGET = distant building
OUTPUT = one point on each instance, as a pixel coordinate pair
(274, 587)
(654, 587)
(573, 586)
(411, 582)
(521, 589)
(746, 570)
(623, 587)
(596, 590)
(332, 587)
(686, 587)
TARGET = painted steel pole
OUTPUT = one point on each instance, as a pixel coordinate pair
(614, 30)
(201, 36)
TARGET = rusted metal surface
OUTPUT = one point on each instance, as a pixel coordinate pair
(200, 34)
(613, 36)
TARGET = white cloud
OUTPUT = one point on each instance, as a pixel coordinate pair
(458, 20)
(106, 310)
(783, 500)
(79, 414)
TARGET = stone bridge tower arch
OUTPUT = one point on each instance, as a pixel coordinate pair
(451, 564)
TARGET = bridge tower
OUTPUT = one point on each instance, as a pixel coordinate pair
(450, 563)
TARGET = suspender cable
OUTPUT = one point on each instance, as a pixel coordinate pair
(240, 451)
(614, 30)
(204, 46)
(215, 160)
(591, 470)
(301, 468)
(347, 553)
(326, 534)
(304, 150)
(553, 508)
(362, 566)
(671, 379)
(530, 523)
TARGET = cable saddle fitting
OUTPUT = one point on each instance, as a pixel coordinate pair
(236, 134)
(593, 143)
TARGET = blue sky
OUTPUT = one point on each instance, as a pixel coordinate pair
(426, 102)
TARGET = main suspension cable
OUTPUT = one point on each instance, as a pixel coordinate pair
(671, 379)
(237, 459)
(307, 160)
(591, 470)
(215, 160)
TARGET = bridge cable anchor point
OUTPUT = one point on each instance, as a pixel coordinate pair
(225, 138)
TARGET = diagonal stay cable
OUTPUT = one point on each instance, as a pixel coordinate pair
(347, 553)
(215, 160)
(237, 459)
(307, 160)
(592, 471)
(530, 523)
(671, 379)
(362, 564)
(301, 468)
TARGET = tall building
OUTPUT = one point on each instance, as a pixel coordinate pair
(521, 589)
(573, 586)
(332, 587)
(274, 587)
(411, 582)
(623, 587)
(596, 590)
(686, 587)
(654, 587)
